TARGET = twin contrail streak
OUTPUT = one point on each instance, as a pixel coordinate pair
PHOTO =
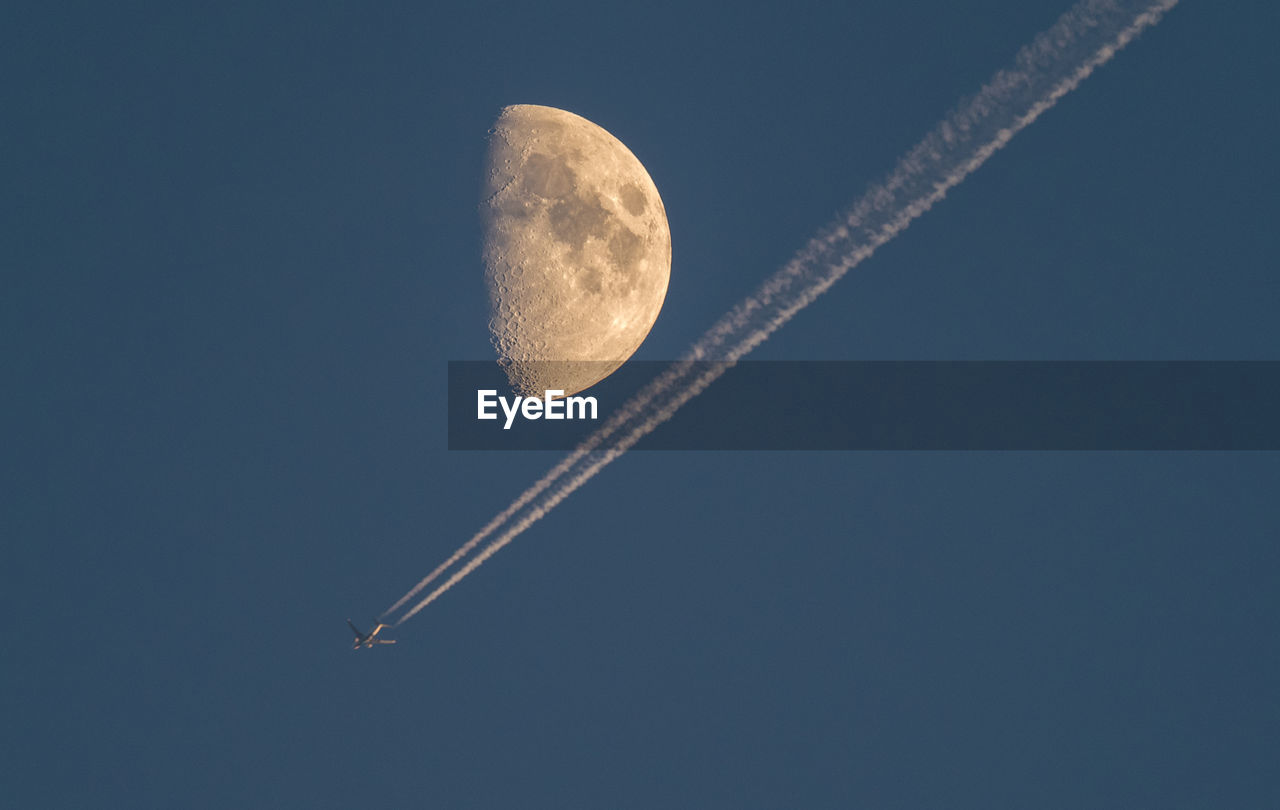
(1054, 64)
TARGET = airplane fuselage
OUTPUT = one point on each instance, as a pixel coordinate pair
(368, 639)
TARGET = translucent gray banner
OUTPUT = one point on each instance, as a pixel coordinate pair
(761, 405)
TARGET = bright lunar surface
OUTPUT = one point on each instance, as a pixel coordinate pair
(577, 251)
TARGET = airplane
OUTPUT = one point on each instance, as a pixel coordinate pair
(368, 639)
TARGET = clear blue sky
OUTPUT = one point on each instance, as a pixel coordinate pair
(239, 246)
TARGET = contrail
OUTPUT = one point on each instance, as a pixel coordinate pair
(626, 413)
(1054, 64)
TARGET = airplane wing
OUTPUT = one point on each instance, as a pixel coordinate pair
(353, 629)
(384, 641)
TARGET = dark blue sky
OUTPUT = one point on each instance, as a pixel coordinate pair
(239, 247)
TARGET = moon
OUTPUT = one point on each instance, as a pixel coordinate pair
(577, 251)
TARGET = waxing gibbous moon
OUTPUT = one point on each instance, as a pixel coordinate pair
(577, 251)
